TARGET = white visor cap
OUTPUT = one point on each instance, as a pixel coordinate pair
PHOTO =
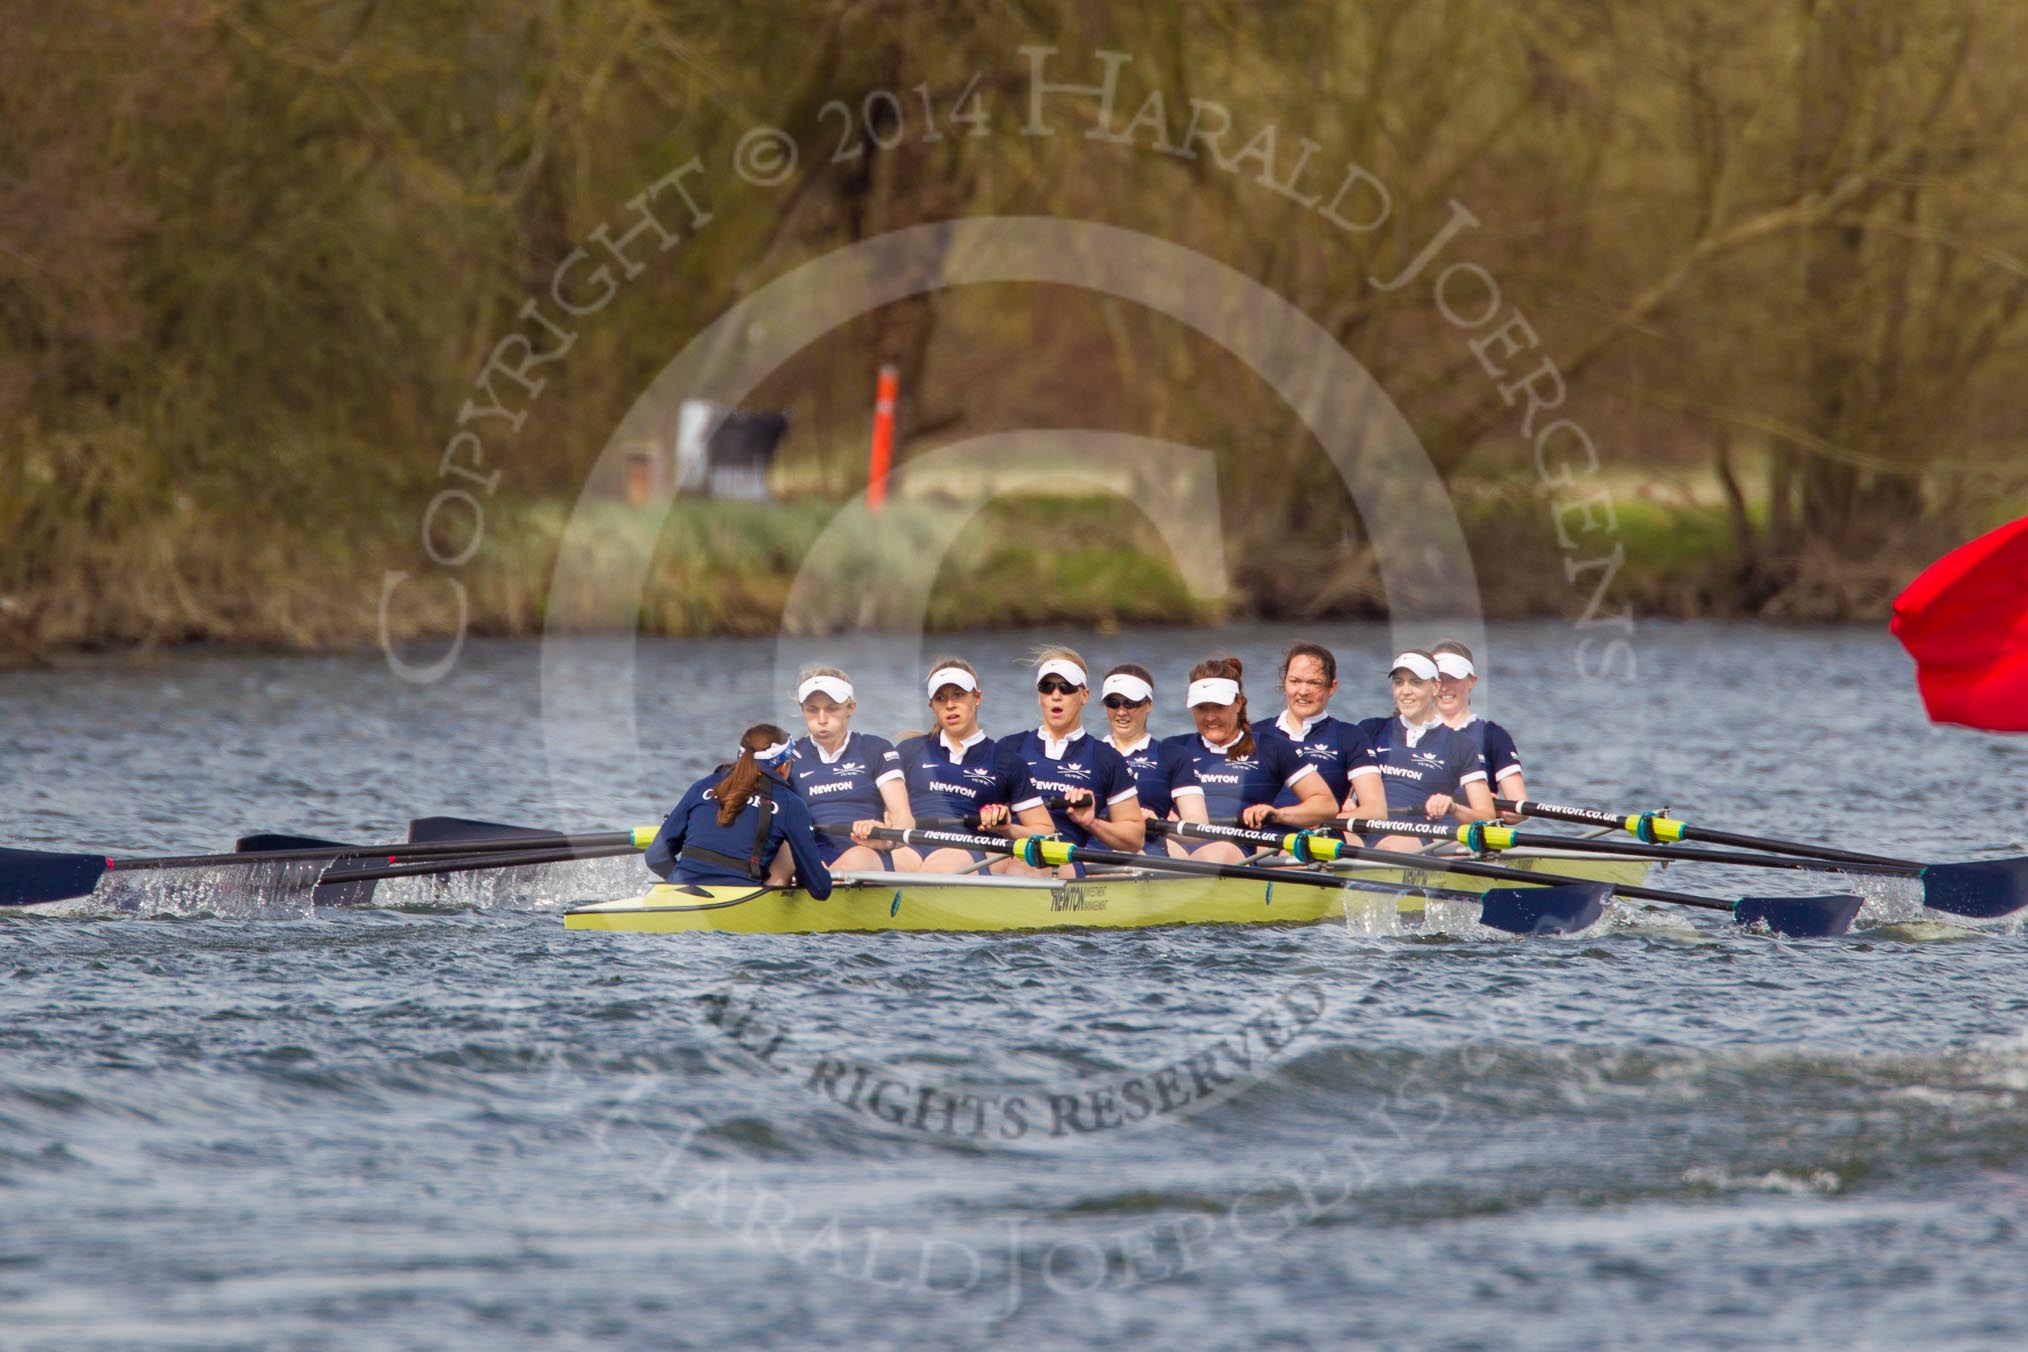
(1211, 690)
(773, 753)
(1069, 671)
(1416, 664)
(1456, 666)
(957, 676)
(836, 688)
(1125, 683)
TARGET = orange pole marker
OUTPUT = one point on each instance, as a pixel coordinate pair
(881, 458)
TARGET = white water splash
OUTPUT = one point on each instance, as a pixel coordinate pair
(283, 891)
(1814, 1183)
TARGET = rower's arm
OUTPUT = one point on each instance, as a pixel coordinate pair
(1514, 789)
(668, 842)
(1122, 827)
(894, 796)
(1189, 804)
(1473, 802)
(797, 833)
(1314, 804)
(1367, 796)
(1033, 820)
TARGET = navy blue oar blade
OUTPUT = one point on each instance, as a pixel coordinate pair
(1545, 910)
(442, 830)
(267, 842)
(324, 894)
(1984, 889)
(1800, 917)
(31, 877)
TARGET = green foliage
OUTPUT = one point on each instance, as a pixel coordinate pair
(253, 253)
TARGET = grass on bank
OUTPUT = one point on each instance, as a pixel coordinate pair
(193, 575)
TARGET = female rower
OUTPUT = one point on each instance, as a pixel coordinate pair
(1430, 769)
(851, 780)
(743, 823)
(1165, 778)
(958, 771)
(1456, 675)
(1241, 775)
(1340, 751)
(1098, 791)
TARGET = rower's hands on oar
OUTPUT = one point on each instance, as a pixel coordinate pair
(1256, 815)
(1080, 806)
(862, 834)
(993, 816)
(1439, 805)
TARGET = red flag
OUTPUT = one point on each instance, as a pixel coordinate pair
(1965, 622)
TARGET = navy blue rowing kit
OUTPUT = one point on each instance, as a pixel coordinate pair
(692, 847)
(1495, 746)
(1233, 784)
(1080, 761)
(1338, 749)
(844, 788)
(1415, 764)
(1162, 773)
(940, 786)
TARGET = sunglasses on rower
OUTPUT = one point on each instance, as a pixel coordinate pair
(1054, 685)
(1122, 702)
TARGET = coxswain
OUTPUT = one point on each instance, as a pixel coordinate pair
(1097, 792)
(1240, 774)
(1340, 751)
(851, 781)
(1456, 677)
(743, 823)
(1165, 778)
(1429, 769)
(957, 772)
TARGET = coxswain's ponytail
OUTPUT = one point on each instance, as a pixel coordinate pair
(743, 780)
(1228, 669)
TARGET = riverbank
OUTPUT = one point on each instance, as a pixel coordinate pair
(192, 577)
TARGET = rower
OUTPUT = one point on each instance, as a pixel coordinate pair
(958, 771)
(1430, 770)
(1456, 677)
(1165, 779)
(1100, 803)
(852, 781)
(1340, 751)
(743, 823)
(1240, 774)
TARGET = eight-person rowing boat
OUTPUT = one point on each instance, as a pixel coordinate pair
(1299, 817)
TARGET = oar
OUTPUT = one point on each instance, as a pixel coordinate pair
(970, 821)
(346, 872)
(1802, 917)
(270, 842)
(1982, 888)
(1484, 837)
(31, 877)
(454, 830)
(335, 894)
(1576, 905)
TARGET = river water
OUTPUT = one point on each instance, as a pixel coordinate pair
(230, 1120)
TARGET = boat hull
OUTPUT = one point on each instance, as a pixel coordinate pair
(872, 902)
